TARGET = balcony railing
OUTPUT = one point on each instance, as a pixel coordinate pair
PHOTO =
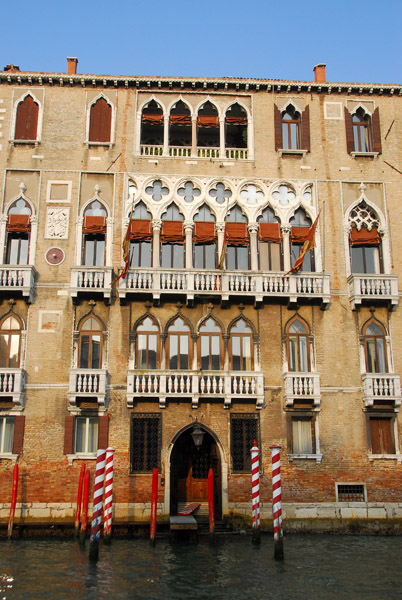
(202, 282)
(373, 289)
(245, 385)
(237, 153)
(89, 384)
(381, 386)
(89, 281)
(208, 152)
(12, 384)
(302, 386)
(180, 151)
(18, 280)
(151, 150)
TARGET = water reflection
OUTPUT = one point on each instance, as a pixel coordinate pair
(323, 567)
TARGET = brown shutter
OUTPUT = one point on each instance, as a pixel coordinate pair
(26, 125)
(375, 122)
(381, 436)
(18, 441)
(305, 129)
(100, 121)
(103, 432)
(69, 435)
(277, 127)
(350, 145)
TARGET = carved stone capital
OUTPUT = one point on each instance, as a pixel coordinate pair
(286, 229)
(156, 224)
(252, 228)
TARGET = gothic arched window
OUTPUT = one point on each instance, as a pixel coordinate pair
(147, 346)
(10, 342)
(374, 348)
(298, 346)
(90, 344)
(241, 347)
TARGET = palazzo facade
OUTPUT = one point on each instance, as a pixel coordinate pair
(214, 185)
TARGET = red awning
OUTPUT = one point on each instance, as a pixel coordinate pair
(141, 230)
(19, 223)
(204, 232)
(269, 232)
(299, 234)
(172, 232)
(180, 119)
(364, 237)
(237, 234)
(94, 225)
(207, 121)
(152, 119)
(236, 120)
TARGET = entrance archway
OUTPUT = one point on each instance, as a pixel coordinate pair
(189, 468)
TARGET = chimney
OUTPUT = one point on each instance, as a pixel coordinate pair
(319, 73)
(12, 68)
(72, 65)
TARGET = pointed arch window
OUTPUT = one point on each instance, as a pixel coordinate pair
(236, 127)
(241, 347)
(365, 241)
(94, 232)
(100, 122)
(204, 239)
(10, 342)
(375, 348)
(172, 239)
(147, 347)
(90, 344)
(301, 224)
(291, 129)
(180, 128)
(210, 346)
(18, 233)
(26, 120)
(298, 347)
(237, 250)
(270, 251)
(208, 126)
(362, 138)
(178, 345)
(140, 237)
(152, 125)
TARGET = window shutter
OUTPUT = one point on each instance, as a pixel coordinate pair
(305, 129)
(350, 145)
(103, 432)
(375, 122)
(381, 436)
(69, 435)
(26, 125)
(18, 441)
(100, 121)
(277, 127)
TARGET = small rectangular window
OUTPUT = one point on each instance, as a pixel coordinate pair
(6, 434)
(145, 442)
(244, 429)
(350, 492)
(302, 435)
(86, 435)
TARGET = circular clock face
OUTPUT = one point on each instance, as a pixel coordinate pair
(54, 256)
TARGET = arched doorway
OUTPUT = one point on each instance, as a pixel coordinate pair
(189, 468)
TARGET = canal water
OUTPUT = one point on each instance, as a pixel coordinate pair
(316, 567)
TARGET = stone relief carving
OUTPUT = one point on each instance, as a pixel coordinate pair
(57, 223)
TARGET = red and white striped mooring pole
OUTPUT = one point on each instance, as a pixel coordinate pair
(107, 518)
(97, 505)
(255, 491)
(277, 502)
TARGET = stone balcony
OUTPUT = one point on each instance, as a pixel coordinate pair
(88, 384)
(259, 286)
(12, 385)
(196, 385)
(378, 290)
(18, 280)
(302, 386)
(381, 387)
(91, 282)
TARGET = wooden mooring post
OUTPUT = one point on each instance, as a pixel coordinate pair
(255, 493)
(85, 502)
(107, 519)
(79, 501)
(277, 502)
(154, 499)
(97, 505)
(13, 501)
(211, 506)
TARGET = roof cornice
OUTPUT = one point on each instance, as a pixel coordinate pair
(230, 84)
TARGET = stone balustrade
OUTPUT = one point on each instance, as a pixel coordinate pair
(381, 386)
(302, 386)
(18, 279)
(373, 289)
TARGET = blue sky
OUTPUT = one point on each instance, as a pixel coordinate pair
(359, 41)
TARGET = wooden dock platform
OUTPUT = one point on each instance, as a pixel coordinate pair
(183, 523)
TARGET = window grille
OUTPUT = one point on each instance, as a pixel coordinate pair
(244, 430)
(145, 443)
(350, 492)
